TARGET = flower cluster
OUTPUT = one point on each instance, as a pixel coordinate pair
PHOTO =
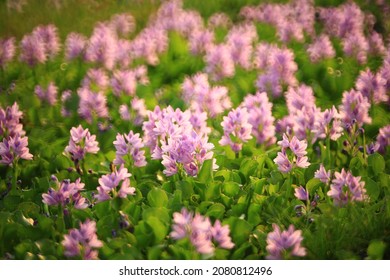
(128, 146)
(200, 232)
(260, 117)
(10, 121)
(81, 142)
(138, 111)
(171, 137)
(321, 48)
(42, 44)
(49, 95)
(108, 184)
(354, 109)
(66, 193)
(82, 242)
(7, 51)
(284, 244)
(237, 129)
(293, 154)
(14, 148)
(201, 96)
(346, 188)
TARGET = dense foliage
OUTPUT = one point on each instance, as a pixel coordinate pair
(225, 132)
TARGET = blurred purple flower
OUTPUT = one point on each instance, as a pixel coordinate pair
(124, 81)
(92, 104)
(237, 129)
(75, 44)
(7, 51)
(354, 108)
(32, 50)
(96, 78)
(301, 193)
(285, 244)
(129, 145)
(49, 36)
(383, 139)
(82, 241)
(200, 232)
(10, 124)
(346, 188)
(49, 95)
(372, 86)
(322, 175)
(14, 148)
(122, 24)
(321, 48)
(219, 62)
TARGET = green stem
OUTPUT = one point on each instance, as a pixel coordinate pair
(60, 219)
(328, 152)
(15, 174)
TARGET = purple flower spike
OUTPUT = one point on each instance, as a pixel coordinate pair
(14, 148)
(81, 142)
(322, 174)
(129, 145)
(346, 188)
(285, 244)
(83, 240)
(237, 129)
(301, 193)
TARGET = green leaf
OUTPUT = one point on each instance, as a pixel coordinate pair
(213, 191)
(376, 250)
(372, 188)
(157, 198)
(239, 230)
(161, 213)
(159, 229)
(216, 210)
(231, 188)
(313, 185)
(377, 163)
(205, 174)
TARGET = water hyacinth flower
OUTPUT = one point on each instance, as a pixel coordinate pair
(7, 50)
(356, 46)
(200, 41)
(284, 244)
(237, 129)
(49, 36)
(354, 108)
(14, 148)
(82, 242)
(346, 188)
(124, 82)
(96, 78)
(75, 45)
(321, 48)
(293, 154)
(67, 193)
(186, 153)
(322, 175)
(32, 50)
(92, 104)
(200, 232)
(328, 123)
(219, 62)
(10, 121)
(65, 96)
(301, 193)
(372, 86)
(138, 111)
(101, 47)
(81, 142)
(221, 20)
(383, 139)
(122, 24)
(49, 94)
(201, 96)
(129, 146)
(108, 184)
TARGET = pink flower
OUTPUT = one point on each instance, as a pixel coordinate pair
(346, 188)
(285, 244)
(7, 50)
(109, 183)
(74, 45)
(237, 129)
(14, 148)
(81, 142)
(129, 145)
(67, 193)
(301, 193)
(200, 232)
(322, 174)
(83, 240)
(49, 95)
(354, 108)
